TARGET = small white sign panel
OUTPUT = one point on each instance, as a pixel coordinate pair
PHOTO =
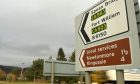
(107, 19)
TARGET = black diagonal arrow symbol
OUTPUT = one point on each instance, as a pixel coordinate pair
(83, 26)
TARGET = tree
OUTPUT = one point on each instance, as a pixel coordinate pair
(15, 71)
(2, 75)
(61, 55)
(36, 70)
(38, 67)
(50, 58)
(72, 57)
(29, 73)
(11, 77)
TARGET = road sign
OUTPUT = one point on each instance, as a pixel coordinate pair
(98, 22)
(112, 53)
(60, 68)
(107, 36)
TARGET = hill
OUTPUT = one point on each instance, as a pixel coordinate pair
(7, 69)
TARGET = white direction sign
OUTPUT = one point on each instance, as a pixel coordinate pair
(107, 36)
(98, 23)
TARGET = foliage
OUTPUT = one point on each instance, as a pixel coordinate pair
(50, 58)
(5, 82)
(61, 55)
(65, 80)
(72, 80)
(29, 73)
(99, 76)
(16, 71)
(11, 77)
(38, 67)
(2, 74)
(36, 70)
(72, 57)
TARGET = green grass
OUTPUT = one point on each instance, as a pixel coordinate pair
(5, 82)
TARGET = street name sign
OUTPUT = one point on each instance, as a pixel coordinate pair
(107, 37)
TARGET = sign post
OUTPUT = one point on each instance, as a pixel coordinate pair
(107, 37)
(88, 77)
(120, 76)
(52, 74)
(81, 78)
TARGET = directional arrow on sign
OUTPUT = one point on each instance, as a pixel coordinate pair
(82, 31)
(81, 58)
(103, 23)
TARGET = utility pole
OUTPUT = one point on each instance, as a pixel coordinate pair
(21, 73)
(34, 76)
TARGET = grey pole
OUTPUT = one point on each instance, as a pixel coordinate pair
(81, 78)
(87, 77)
(34, 75)
(120, 76)
(52, 74)
(21, 73)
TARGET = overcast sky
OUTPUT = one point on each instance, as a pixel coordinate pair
(31, 29)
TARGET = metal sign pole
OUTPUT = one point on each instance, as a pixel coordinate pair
(81, 78)
(87, 77)
(120, 76)
(52, 75)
